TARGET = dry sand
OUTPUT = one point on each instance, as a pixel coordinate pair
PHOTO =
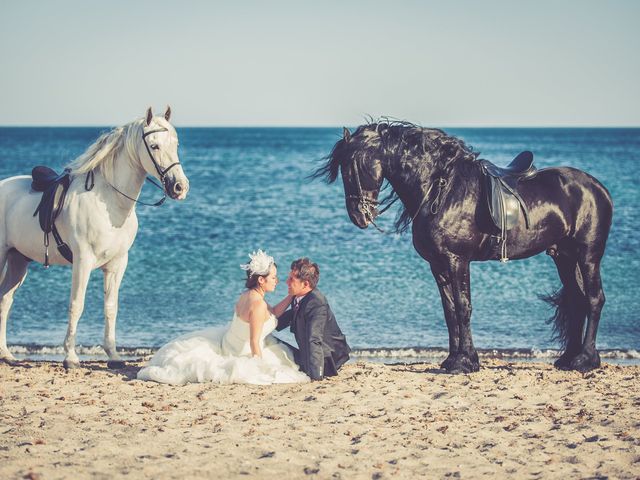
(517, 420)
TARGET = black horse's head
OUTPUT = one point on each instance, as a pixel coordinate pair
(410, 157)
(358, 157)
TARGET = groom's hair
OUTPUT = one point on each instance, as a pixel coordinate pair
(305, 269)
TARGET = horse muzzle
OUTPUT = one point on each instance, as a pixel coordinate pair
(359, 221)
(361, 218)
(176, 187)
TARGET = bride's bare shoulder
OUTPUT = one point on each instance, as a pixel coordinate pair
(251, 305)
(243, 304)
(258, 306)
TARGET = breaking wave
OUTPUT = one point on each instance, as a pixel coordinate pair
(407, 354)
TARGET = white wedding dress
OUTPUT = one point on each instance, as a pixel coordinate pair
(223, 355)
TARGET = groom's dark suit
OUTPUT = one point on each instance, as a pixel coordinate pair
(322, 347)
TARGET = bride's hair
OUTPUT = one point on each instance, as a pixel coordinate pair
(252, 278)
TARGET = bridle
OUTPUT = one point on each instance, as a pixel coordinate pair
(161, 172)
(89, 182)
(367, 204)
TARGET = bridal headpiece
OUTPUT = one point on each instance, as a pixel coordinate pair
(260, 263)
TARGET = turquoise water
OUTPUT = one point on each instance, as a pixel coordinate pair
(248, 191)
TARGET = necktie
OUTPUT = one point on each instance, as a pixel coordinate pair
(296, 304)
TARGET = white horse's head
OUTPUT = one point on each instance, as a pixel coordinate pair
(158, 154)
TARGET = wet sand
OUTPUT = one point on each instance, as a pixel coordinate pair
(518, 420)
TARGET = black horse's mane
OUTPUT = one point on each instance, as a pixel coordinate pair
(427, 149)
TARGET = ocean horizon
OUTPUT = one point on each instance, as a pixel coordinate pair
(249, 190)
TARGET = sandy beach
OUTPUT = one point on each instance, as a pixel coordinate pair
(517, 420)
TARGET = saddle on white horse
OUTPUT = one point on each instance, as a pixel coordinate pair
(54, 188)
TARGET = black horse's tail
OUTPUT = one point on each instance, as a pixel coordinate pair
(571, 309)
(560, 319)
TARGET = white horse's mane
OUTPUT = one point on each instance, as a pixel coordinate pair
(102, 153)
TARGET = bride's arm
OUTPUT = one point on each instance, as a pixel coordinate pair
(257, 316)
(280, 308)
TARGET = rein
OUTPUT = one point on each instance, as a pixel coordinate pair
(89, 180)
(367, 204)
(148, 179)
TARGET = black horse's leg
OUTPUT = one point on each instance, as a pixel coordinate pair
(588, 359)
(466, 359)
(446, 295)
(572, 306)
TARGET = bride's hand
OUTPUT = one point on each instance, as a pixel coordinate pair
(282, 306)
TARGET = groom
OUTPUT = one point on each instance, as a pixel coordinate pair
(322, 347)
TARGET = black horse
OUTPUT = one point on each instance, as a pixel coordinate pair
(442, 185)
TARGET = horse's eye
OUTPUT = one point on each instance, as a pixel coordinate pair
(154, 146)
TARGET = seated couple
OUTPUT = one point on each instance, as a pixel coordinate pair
(245, 351)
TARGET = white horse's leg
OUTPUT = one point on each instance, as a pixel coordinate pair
(80, 279)
(4, 313)
(13, 278)
(113, 273)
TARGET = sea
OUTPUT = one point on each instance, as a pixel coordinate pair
(250, 189)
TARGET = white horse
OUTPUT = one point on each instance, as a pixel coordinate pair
(99, 224)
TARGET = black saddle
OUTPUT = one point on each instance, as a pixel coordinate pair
(503, 200)
(520, 168)
(54, 190)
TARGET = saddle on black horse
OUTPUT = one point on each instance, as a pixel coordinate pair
(54, 190)
(503, 200)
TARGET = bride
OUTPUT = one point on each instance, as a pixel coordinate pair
(244, 351)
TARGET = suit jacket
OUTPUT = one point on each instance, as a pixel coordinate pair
(323, 348)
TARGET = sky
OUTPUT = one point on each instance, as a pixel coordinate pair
(325, 63)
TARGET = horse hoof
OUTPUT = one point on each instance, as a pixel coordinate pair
(69, 364)
(585, 362)
(116, 364)
(463, 364)
(563, 363)
(10, 361)
(448, 363)
(6, 356)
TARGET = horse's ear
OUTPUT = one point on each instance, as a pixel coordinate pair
(167, 114)
(346, 134)
(149, 116)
